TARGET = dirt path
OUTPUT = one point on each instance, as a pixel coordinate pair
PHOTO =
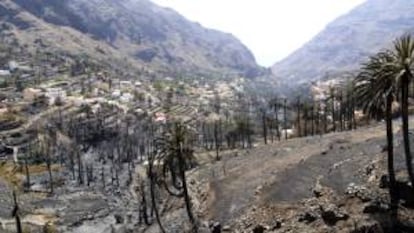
(35, 119)
(287, 171)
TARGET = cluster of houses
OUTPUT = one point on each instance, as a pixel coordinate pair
(53, 94)
(122, 95)
(13, 67)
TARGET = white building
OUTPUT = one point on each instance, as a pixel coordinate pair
(125, 84)
(4, 73)
(116, 93)
(126, 98)
(54, 93)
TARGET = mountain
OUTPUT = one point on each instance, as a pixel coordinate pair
(348, 41)
(136, 30)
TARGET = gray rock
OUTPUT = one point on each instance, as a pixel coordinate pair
(308, 217)
(331, 214)
(258, 229)
(216, 228)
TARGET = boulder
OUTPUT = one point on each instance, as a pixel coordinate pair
(258, 229)
(376, 207)
(119, 219)
(361, 192)
(331, 214)
(216, 228)
(308, 217)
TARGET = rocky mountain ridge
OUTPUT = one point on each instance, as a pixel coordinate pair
(137, 30)
(348, 41)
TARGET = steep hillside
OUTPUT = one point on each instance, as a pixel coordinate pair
(156, 37)
(348, 41)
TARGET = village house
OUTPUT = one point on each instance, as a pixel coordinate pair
(55, 93)
(138, 84)
(125, 84)
(116, 93)
(160, 117)
(4, 73)
(126, 98)
(30, 94)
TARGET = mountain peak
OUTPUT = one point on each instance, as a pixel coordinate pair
(348, 41)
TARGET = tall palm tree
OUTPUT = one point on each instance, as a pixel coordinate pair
(176, 156)
(403, 63)
(375, 89)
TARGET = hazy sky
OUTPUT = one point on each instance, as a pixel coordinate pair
(272, 29)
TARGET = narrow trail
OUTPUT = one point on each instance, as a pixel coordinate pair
(35, 119)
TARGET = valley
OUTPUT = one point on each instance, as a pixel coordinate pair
(124, 116)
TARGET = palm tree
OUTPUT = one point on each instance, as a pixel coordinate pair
(152, 175)
(375, 89)
(403, 63)
(176, 156)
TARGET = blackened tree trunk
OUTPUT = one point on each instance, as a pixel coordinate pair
(298, 118)
(216, 140)
(49, 169)
(276, 108)
(16, 214)
(325, 118)
(26, 166)
(305, 119)
(80, 173)
(264, 126)
(341, 112)
(187, 198)
(285, 117)
(318, 119)
(333, 109)
(313, 119)
(404, 110)
(103, 176)
(144, 209)
(393, 189)
(153, 198)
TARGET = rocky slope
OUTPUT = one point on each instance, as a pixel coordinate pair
(137, 30)
(348, 41)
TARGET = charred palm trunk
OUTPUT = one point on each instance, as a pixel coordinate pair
(306, 121)
(325, 118)
(404, 110)
(298, 118)
(144, 209)
(153, 199)
(80, 173)
(49, 169)
(103, 176)
(333, 111)
(216, 140)
(264, 126)
(277, 121)
(16, 214)
(313, 120)
(393, 189)
(187, 199)
(285, 118)
(26, 166)
(318, 120)
(341, 113)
